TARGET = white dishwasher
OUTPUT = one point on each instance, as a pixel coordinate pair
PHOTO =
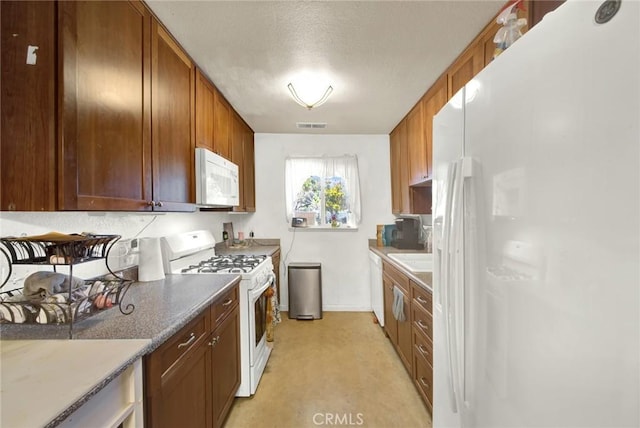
(377, 293)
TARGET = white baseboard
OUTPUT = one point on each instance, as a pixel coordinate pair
(336, 308)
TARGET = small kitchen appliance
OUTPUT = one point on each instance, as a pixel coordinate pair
(407, 233)
(194, 253)
(217, 182)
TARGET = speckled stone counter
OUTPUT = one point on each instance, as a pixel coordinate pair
(255, 247)
(161, 309)
(424, 279)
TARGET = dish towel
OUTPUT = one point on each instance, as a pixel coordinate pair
(398, 304)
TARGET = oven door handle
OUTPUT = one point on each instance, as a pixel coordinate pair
(257, 292)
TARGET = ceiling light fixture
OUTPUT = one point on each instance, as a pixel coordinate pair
(318, 103)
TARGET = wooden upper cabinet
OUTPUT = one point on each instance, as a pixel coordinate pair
(416, 145)
(400, 201)
(249, 185)
(173, 90)
(396, 167)
(28, 106)
(434, 100)
(488, 45)
(470, 63)
(205, 93)
(221, 125)
(104, 108)
(242, 154)
(539, 8)
(237, 154)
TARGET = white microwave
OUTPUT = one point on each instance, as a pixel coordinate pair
(216, 180)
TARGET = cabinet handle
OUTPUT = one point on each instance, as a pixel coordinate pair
(227, 302)
(421, 300)
(424, 350)
(214, 341)
(188, 342)
(151, 203)
(421, 324)
(424, 382)
(159, 204)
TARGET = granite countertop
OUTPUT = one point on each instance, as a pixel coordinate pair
(42, 379)
(250, 247)
(424, 279)
(161, 309)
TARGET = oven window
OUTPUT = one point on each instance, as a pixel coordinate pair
(261, 317)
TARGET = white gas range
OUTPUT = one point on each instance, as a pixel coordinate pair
(194, 253)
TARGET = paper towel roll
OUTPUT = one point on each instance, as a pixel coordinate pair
(150, 266)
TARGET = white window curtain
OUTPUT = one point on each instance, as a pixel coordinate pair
(298, 170)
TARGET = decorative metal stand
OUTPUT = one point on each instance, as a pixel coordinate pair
(78, 303)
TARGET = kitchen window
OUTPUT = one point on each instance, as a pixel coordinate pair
(323, 190)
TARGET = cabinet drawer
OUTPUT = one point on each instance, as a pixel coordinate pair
(223, 306)
(182, 342)
(397, 277)
(422, 346)
(422, 320)
(421, 297)
(424, 380)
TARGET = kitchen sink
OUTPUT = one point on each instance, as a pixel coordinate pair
(414, 262)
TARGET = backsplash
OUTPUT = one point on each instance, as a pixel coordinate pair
(128, 225)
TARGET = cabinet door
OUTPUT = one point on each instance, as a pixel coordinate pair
(390, 323)
(466, 66)
(104, 92)
(185, 397)
(27, 152)
(173, 113)
(416, 146)
(221, 125)
(405, 347)
(204, 111)
(237, 154)
(249, 171)
(226, 365)
(178, 378)
(275, 258)
(400, 200)
(435, 99)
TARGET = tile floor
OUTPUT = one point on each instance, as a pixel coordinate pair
(337, 371)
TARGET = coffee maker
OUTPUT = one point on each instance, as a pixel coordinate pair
(407, 233)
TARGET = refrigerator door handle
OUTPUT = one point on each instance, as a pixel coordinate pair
(445, 272)
(456, 282)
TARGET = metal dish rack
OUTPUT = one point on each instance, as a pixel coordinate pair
(55, 249)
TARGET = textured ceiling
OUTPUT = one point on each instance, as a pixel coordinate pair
(380, 57)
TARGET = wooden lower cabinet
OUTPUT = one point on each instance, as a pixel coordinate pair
(399, 332)
(412, 338)
(225, 355)
(192, 378)
(275, 259)
(422, 340)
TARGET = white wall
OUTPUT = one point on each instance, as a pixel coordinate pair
(343, 253)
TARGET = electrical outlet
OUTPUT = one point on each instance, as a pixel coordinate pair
(124, 254)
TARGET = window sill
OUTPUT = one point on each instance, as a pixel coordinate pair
(324, 229)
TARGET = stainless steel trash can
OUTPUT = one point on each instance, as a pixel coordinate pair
(305, 291)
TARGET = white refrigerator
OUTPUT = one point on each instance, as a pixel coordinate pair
(537, 230)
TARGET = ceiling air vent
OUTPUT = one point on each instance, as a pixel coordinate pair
(310, 125)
